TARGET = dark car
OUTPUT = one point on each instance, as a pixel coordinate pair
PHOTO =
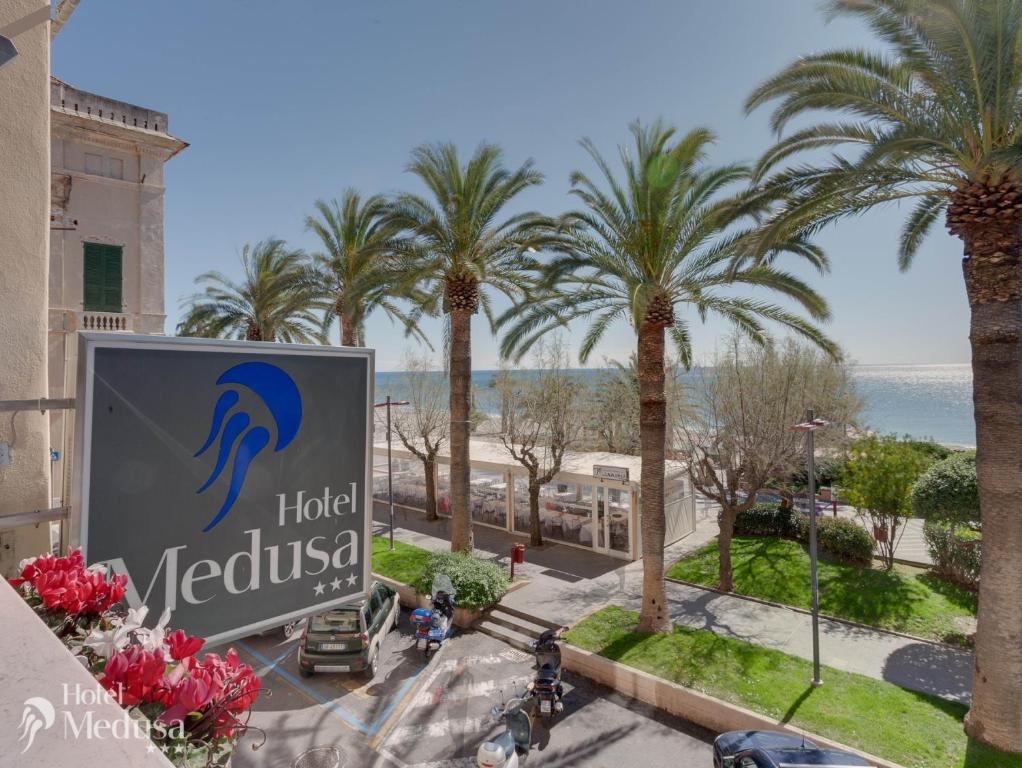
(773, 749)
(348, 638)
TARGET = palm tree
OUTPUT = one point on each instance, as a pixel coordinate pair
(458, 247)
(937, 119)
(357, 265)
(661, 237)
(275, 300)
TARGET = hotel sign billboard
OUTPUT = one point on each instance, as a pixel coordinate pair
(230, 481)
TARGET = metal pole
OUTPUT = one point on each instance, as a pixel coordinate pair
(811, 461)
(390, 477)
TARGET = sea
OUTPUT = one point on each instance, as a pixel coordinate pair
(925, 401)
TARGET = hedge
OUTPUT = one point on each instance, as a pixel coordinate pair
(842, 538)
(845, 539)
(766, 519)
(948, 491)
(956, 554)
(477, 582)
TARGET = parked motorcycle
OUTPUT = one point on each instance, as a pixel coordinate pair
(433, 626)
(546, 689)
(511, 748)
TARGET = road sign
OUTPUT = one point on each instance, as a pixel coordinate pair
(230, 480)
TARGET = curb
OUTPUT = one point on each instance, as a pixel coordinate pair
(836, 619)
(696, 707)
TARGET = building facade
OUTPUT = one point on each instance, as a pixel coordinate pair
(24, 265)
(106, 240)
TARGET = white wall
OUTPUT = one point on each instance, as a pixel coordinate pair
(24, 233)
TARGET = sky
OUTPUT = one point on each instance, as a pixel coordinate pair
(286, 102)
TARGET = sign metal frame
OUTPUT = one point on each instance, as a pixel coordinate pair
(90, 341)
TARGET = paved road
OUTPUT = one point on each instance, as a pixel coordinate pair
(416, 715)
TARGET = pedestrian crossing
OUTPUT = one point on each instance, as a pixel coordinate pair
(449, 716)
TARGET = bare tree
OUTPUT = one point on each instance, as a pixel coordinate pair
(541, 418)
(740, 437)
(612, 406)
(423, 426)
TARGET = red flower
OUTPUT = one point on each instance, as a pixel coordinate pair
(134, 675)
(182, 645)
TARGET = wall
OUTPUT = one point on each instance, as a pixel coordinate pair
(24, 234)
(38, 666)
(117, 202)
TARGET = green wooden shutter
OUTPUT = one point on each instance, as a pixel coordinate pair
(103, 277)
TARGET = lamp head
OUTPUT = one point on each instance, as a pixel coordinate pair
(7, 51)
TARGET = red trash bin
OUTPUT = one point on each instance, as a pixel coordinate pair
(517, 556)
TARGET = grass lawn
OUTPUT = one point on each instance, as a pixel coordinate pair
(913, 729)
(906, 599)
(404, 564)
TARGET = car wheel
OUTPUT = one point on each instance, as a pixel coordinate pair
(288, 629)
(304, 672)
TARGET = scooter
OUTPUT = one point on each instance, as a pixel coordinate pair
(436, 625)
(511, 748)
(546, 689)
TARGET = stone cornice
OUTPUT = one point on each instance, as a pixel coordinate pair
(66, 123)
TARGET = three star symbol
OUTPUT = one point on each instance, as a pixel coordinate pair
(335, 585)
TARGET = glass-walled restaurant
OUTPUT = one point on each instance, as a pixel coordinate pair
(593, 503)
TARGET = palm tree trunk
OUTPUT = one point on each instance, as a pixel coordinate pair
(253, 334)
(652, 437)
(429, 466)
(535, 528)
(993, 281)
(461, 380)
(349, 333)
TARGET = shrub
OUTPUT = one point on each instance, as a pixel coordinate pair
(766, 519)
(947, 491)
(956, 554)
(845, 539)
(477, 582)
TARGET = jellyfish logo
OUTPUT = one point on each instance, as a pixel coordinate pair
(37, 715)
(279, 393)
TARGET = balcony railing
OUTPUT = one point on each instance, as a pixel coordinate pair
(103, 321)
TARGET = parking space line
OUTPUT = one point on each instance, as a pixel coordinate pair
(367, 729)
(298, 685)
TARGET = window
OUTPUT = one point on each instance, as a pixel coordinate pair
(93, 164)
(115, 168)
(102, 277)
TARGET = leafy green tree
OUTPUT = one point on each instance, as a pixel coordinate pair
(935, 118)
(357, 266)
(948, 492)
(274, 301)
(662, 237)
(458, 247)
(878, 478)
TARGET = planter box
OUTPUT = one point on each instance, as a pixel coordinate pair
(409, 598)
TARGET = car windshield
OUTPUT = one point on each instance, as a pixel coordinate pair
(336, 621)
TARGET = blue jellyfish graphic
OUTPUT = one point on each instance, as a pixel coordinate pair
(278, 391)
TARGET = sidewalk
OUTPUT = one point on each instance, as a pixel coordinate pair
(567, 583)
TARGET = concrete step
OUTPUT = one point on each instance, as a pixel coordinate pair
(505, 634)
(536, 620)
(521, 625)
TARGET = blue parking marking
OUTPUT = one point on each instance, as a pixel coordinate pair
(367, 729)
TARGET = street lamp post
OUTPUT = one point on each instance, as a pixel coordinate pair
(809, 426)
(390, 464)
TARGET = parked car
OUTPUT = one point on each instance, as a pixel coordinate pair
(348, 638)
(773, 749)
